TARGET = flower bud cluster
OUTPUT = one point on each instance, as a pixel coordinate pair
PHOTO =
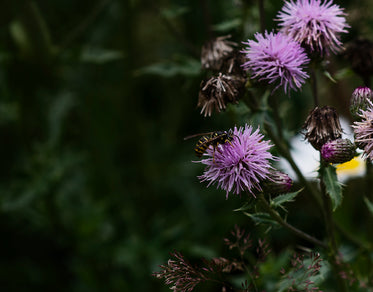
(220, 56)
(324, 132)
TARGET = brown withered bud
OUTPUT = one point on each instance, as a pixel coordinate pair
(322, 125)
(233, 64)
(360, 55)
(216, 92)
(216, 51)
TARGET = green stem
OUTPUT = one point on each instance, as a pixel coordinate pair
(276, 216)
(284, 151)
(329, 226)
(313, 80)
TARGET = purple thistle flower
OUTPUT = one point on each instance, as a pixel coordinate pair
(314, 24)
(239, 165)
(275, 57)
(364, 131)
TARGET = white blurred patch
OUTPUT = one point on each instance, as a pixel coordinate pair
(307, 158)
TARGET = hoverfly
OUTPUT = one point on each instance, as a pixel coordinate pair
(211, 138)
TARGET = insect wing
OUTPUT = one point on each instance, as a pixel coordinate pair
(197, 135)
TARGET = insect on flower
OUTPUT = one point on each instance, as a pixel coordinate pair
(211, 139)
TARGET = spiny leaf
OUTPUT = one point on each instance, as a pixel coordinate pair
(244, 207)
(285, 198)
(259, 218)
(332, 185)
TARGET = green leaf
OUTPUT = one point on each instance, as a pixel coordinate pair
(227, 25)
(332, 185)
(369, 205)
(99, 55)
(285, 198)
(184, 66)
(329, 76)
(262, 218)
(244, 207)
(174, 12)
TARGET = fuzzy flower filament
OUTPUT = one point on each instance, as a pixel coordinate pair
(276, 58)
(240, 165)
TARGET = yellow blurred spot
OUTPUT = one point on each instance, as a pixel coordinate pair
(353, 167)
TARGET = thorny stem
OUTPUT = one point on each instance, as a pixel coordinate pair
(329, 226)
(313, 80)
(284, 151)
(275, 107)
(276, 216)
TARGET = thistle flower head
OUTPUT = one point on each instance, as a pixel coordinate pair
(338, 151)
(322, 125)
(360, 100)
(316, 24)
(219, 90)
(276, 58)
(240, 165)
(364, 131)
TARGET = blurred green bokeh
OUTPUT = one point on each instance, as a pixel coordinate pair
(97, 184)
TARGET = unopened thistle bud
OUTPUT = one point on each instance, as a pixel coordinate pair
(276, 183)
(214, 52)
(359, 100)
(216, 92)
(338, 151)
(322, 125)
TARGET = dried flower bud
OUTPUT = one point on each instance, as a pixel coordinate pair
(359, 100)
(216, 92)
(214, 52)
(338, 151)
(277, 183)
(360, 54)
(233, 64)
(322, 125)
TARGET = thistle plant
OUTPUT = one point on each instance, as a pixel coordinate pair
(308, 32)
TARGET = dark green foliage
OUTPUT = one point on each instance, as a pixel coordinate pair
(96, 182)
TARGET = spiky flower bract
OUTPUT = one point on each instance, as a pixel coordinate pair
(240, 165)
(316, 24)
(364, 131)
(338, 151)
(322, 125)
(276, 58)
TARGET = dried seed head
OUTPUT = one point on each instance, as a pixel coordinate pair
(322, 125)
(360, 55)
(360, 100)
(216, 92)
(338, 151)
(277, 183)
(215, 52)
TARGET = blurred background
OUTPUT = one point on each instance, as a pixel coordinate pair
(97, 185)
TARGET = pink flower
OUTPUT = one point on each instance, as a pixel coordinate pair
(240, 165)
(276, 58)
(314, 24)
